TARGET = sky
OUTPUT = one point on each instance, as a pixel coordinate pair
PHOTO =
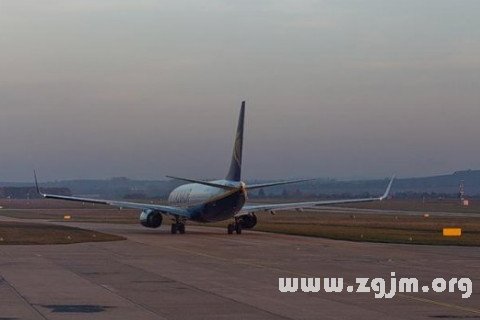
(145, 88)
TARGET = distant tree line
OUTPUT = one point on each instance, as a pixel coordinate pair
(29, 192)
(297, 194)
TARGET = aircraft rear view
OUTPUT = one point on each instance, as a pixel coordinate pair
(217, 200)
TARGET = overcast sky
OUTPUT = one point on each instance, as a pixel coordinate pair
(144, 88)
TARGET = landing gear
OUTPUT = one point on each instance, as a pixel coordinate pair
(178, 226)
(230, 228)
(236, 226)
(181, 228)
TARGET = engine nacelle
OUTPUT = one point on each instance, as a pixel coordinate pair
(151, 218)
(248, 221)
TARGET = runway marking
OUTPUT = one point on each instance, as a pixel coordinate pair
(23, 298)
(251, 264)
(109, 288)
(404, 296)
(114, 292)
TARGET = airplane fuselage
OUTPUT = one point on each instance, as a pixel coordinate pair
(209, 204)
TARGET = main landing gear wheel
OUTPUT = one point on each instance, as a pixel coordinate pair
(181, 228)
(237, 227)
(178, 227)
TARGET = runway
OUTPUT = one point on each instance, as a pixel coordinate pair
(206, 274)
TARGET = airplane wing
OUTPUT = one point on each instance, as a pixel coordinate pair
(169, 210)
(309, 204)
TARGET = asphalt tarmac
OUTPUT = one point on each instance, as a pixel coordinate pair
(207, 274)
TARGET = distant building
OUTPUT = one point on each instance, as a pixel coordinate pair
(461, 194)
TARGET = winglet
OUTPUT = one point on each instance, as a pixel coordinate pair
(387, 191)
(36, 183)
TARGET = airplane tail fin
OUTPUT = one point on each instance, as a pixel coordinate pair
(235, 171)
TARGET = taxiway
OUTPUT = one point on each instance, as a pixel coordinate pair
(206, 274)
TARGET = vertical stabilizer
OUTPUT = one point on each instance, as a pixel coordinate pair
(235, 171)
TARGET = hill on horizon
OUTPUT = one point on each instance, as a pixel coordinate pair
(121, 187)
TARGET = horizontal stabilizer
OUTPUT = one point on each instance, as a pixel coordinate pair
(206, 183)
(272, 184)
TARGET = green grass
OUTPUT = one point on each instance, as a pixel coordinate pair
(26, 233)
(374, 227)
(418, 205)
(384, 235)
(371, 227)
(99, 215)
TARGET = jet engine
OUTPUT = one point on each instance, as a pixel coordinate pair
(248, 221)
(151, 218)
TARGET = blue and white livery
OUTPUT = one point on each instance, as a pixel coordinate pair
(218, 200)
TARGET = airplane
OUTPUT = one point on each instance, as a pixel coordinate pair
(212, 201)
